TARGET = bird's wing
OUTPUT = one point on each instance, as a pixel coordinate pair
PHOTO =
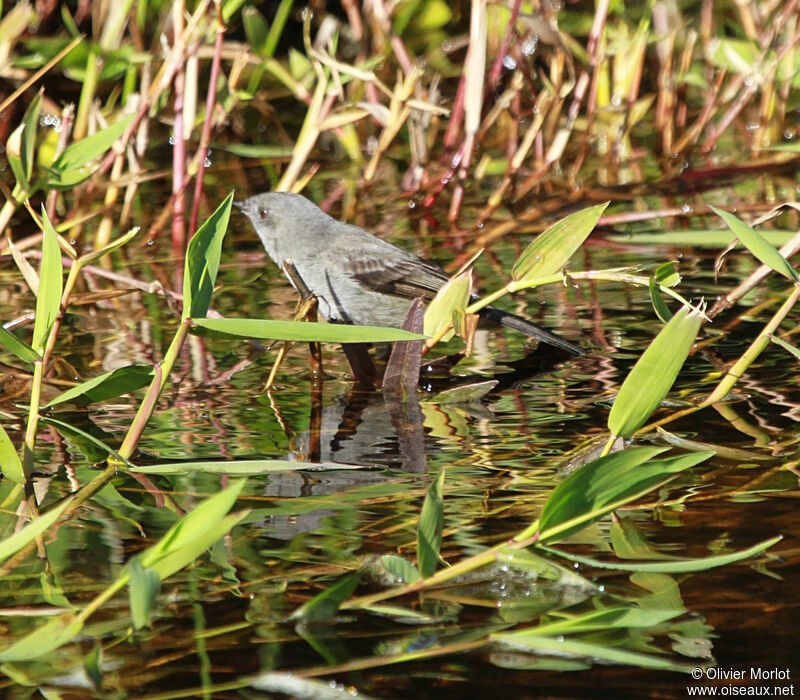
(381, 267)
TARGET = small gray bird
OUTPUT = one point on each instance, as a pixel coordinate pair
(356, 277)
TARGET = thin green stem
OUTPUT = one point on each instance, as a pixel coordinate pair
(33, 419)
(147, 406)
(87, 96)
(69, 285)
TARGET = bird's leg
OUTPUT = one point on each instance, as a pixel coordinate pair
(306, 309)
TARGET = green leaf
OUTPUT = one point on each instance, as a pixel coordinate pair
(95, 255)
(267, 329)
(429, 532)
(607, 619)
(43, 640)
(401, 569)
(527, 640)
(451, 298)
(10, 464)
(83, 152)
(757, 245)
(18, 348)
(82, 435)
(255, 30)
(13, 544)
(191, 529)
(51, 284)
(606, 484)
(256, 150)
(202, 261)
(143, 588)
(552, 249)
(30, 127)
(786, 346)
(673, 565)
(697, 238)
(325, 605)
(654, 373)
(659, 306)
(243, 467)
(109, 385)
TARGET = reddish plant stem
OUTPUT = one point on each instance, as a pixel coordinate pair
(179, 145)
(453, 131)
(205, 137)
(497, 66)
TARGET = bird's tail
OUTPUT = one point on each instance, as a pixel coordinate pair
(509, 320)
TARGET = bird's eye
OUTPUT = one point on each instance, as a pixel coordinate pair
(264, 214)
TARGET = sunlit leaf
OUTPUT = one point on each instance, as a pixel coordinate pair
(607, 483)
(82, 153)
(10, 464)
(18, 348)
(256, 150)
(551, 250)
(697, 238)
(654, 373)
(51, 283)
(401, 569)
(44, 639)
(109, 385)
(30, 127)
(202, 261)
(659, 306)
(267, 329)
(675, 565)
(95, 255)
(429, 532)
(758, 245)
(191, 528)
(452, 297)
(13, 544)
(143, 588)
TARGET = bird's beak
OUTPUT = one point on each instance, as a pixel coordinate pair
(239, 204)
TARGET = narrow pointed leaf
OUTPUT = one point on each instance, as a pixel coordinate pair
(83, 152)
(107, 386)
(10, 464)
(30, 127)
(51, 284)
(608, 483)
(326, 604)
(674, 565)
(95, 255)
(143, 588)
(13, 544)
(267, 329)
(402, 569)
(44, 639)
(18, 348)
(202, 261)
(552, 249)
(778, 341)
(654, 374)
(429, 532)
(764, 251)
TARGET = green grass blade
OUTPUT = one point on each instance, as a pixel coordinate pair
(654, 373)
(672, 566)
(43, 640)
(18, 348)
(51, 284)
(10, 464)
(13, 544)
(107, 386)
(758, 245)
(429, 532)
(267, 329)
(552, 249)
(606, 484)
(786, 346)
(95, 255)
(202, 261)
(83, 152)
